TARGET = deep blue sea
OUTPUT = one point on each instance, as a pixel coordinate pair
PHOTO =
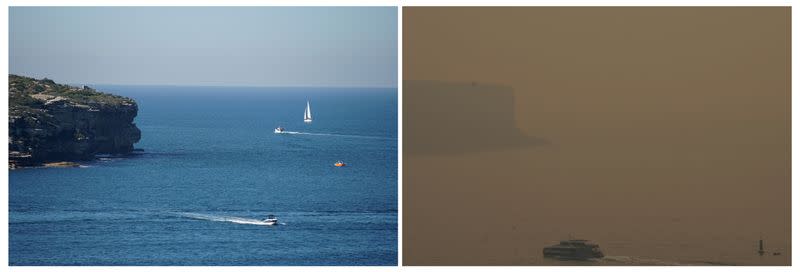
(211, 167)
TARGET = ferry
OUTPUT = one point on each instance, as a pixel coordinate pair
(573, 250)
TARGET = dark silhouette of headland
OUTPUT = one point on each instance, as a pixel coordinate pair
(460, 117)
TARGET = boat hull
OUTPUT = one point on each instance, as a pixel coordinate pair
(572, 253)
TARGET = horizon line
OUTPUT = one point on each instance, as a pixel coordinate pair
(242, 86)
(198, 85)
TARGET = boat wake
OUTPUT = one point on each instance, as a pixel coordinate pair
(231, 219)
(336, 135)
(628, 260)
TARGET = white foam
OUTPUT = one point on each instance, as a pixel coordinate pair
(638, 260)
(335, 135)
(232, 219)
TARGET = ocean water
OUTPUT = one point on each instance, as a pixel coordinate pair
(534, 197)
(211, 168)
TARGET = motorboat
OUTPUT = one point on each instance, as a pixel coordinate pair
(279, 130)
(339, 164)
(270, 220)
(573, 250)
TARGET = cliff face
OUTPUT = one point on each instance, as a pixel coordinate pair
(460, 117)
(54, 122)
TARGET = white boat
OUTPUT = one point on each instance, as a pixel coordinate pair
(307, 113)
(279, 130)
(270, 220)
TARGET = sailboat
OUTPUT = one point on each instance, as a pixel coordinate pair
(307, 113)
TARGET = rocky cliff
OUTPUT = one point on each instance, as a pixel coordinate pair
(54, 122)
(460, 117)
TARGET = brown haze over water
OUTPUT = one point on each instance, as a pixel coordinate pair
(663, 134)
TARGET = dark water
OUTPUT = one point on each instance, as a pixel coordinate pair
(211, 167)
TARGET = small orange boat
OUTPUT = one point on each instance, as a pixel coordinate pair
(339, 164)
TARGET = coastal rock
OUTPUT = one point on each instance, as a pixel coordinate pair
(51, 122)
(461, 117)
(61, 164)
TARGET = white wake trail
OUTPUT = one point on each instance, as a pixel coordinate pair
(629, 260)
(336, 135)
(232, 219)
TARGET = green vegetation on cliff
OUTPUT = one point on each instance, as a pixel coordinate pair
(21, 88)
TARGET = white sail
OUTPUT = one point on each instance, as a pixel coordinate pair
(307, 113)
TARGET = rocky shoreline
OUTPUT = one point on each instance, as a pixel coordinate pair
(51, 123)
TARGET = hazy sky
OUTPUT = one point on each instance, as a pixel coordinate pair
(252, 46)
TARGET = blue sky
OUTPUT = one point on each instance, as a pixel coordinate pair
(219, 46)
